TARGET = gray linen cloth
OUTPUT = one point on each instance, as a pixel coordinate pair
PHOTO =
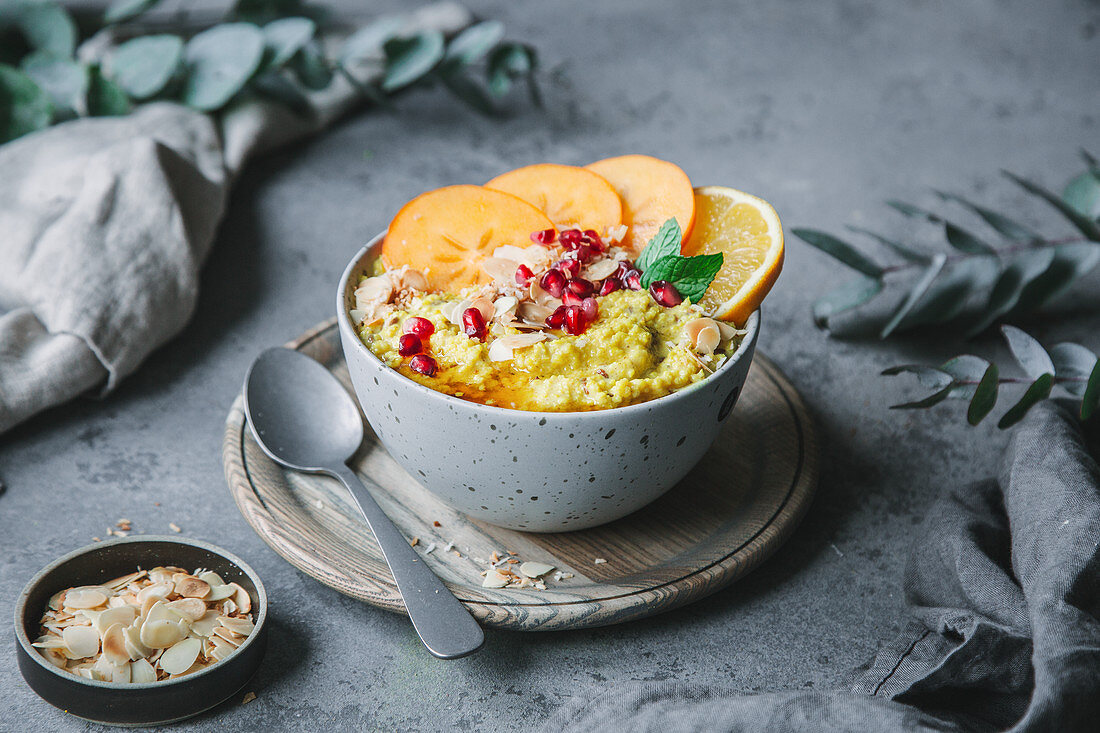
(105, 222)
(1004, 587)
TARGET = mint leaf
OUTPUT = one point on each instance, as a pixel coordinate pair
(691, 275)
(664, 243)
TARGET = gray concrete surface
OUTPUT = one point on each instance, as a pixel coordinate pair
(825, 109)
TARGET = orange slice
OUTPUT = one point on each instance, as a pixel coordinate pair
(653, 191)
(570, 196)
(747, 231)
(447, 233)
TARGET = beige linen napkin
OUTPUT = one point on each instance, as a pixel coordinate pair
(105, 222)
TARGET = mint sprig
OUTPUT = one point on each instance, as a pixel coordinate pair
(661, 260)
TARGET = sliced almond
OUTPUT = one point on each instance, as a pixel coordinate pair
(494, 579)
(228, 636)
(374, 290)
(210, 578)
(114, 645)
(499, 269)
(220, 648)
(190, 608)
(85, 597)
(157, 590)
(703, 335)
(141, 672)
(600, 269)
(162, 634)
(189, 586)
(535, 569)
(205, 626)
(242, 599)
(240, 626)
(180, 656)
(54, 657)
(124, 580)
(219, 593)
(124, 615)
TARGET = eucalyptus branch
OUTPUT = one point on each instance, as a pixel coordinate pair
(265, 47)
(1072, 367)
(1025, 272)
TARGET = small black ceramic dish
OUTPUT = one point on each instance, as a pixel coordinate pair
(137, 704)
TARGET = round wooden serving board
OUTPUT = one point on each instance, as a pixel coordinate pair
(729, 514)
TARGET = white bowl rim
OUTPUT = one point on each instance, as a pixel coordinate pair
(344, 323)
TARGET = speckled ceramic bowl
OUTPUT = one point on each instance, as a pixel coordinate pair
(153, 703)
(538, 471)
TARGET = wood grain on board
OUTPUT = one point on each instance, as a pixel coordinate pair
(731, 512)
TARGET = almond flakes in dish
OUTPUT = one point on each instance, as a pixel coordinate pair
(147, 626)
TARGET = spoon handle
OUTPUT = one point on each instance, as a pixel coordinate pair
(443, 623)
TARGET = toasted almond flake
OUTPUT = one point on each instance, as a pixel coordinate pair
(248, 697)
(82, 641)
(220, 592)
(124, 580)
(600, 269)
(114, 646)
(240, 626)
(157, 590)
(210, 578)
(124, 615)
(162, 634)
(85, 597)
(414, 541)
(189, 586)
(703, 335)
(142, 672)
(241, 598)
(180, 656)
(535, 569)
(499, 351)
(494, 579)
(499, 269)
(374, 290)
(190, 608)
(228, 636)
(430, 548)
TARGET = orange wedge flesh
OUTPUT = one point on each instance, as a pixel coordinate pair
(747, 231)
(447, 233)
(570, 196)
(653, 191)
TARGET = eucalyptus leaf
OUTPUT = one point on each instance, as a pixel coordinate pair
(265, 11)
(847, 296)
(930, 377)
(1090, 159)
(967, 370)
(311, 68)
(285, 37)
(1020, 272)
(469, 91)
(913, 211)
(1083, 194)
(933, 399)
(105, 98)
(965, 241)
(1005, 226)
(1091, 399)
(120, 11)
(63, 79)
(47, 27)
(950, 293)
(144, 66)
(1073, 362)
(985, 396)
(277, 87)
(1070, 263)
(410, 59)
(24, 106)
(471, 45)
(900, 249)
(915, 294)
(510, 61)
(1030, 354)
(1038, 391)
(1085, 225)
(220, 61)
(839, 250)
(366, 43)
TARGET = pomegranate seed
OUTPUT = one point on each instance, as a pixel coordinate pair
(423, 364)
(473, 323)
(665, 293)
(418, 326)
(569, 267)
(625, 266)
(633, 280)
(524, 274)
(570, 238)
(409, 344)
(584, 252)
(546, 236)
(581, 287)
(571, 298)
(557, 318)
(593, 239)
(575, 322)
(591, 309)
(553, 282)
(610, 285)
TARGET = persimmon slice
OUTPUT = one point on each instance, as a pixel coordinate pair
(446, 233)
(570, 196)
(653, 191)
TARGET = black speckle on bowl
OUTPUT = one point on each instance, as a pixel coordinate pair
(137, 704)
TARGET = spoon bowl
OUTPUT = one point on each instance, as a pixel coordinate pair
(304, 419)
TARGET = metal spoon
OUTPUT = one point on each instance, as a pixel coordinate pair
(304, 419)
